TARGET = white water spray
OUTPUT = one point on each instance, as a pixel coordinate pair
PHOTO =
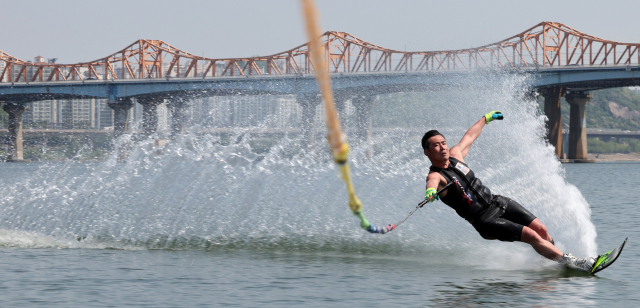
(206, 194)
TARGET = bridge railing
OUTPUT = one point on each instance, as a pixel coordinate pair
(200, 77)
(546, 45)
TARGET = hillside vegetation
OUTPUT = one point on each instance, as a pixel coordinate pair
(617, 108)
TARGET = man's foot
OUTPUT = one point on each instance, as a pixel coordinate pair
(573, 262)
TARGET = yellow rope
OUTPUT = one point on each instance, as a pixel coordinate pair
(337, 140)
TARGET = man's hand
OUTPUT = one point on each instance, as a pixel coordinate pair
(493, 115)
(431, 195)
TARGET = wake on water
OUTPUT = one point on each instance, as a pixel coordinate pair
(207, 194)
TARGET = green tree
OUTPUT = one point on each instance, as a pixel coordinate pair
(4, 118)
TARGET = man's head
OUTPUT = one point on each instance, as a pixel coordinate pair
(435, 146)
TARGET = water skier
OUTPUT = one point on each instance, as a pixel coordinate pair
(493, 216)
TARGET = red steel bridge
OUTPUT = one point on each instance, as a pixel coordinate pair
(566, 63)
(547, 44)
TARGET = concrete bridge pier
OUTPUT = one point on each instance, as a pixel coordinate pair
(16, 147)
(120, 109)
(530, 95)
(178, 117)
(308, 104)
(149, 115)
(578, 127)
(364, 126)
(552, 111)
(340, 101)
(120, 124)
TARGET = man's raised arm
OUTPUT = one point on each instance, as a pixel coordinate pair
(462, 148)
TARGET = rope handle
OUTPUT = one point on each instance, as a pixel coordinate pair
(390, 227)
(422, 203)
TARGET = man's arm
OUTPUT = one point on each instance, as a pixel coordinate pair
(460, 150)
(435, 182)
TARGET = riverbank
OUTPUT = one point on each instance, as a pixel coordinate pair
(615, 157)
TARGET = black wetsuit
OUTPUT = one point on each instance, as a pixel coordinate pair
(493, 216)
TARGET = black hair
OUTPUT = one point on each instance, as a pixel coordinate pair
(429, 134)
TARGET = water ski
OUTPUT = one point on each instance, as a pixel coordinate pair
(603, 261)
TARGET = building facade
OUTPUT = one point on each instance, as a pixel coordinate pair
(85, 113)
(271, 111)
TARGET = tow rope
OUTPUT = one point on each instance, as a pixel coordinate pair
(391, 227)
(335, 137)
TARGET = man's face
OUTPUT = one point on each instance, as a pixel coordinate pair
(438, 149)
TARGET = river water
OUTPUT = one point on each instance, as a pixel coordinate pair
(48, 271)
(214, 222)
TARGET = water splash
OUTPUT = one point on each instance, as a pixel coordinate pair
(207, 193)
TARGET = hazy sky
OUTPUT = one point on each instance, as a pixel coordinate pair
(83, 30)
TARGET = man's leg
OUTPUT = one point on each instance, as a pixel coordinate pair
(540, 245)
(517, 213)
(540, 228)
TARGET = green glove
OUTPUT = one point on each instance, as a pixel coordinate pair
(431, 195)
(493, 115)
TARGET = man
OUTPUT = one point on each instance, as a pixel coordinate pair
(493, 216)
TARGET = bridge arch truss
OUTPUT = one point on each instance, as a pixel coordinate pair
(545, 45)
